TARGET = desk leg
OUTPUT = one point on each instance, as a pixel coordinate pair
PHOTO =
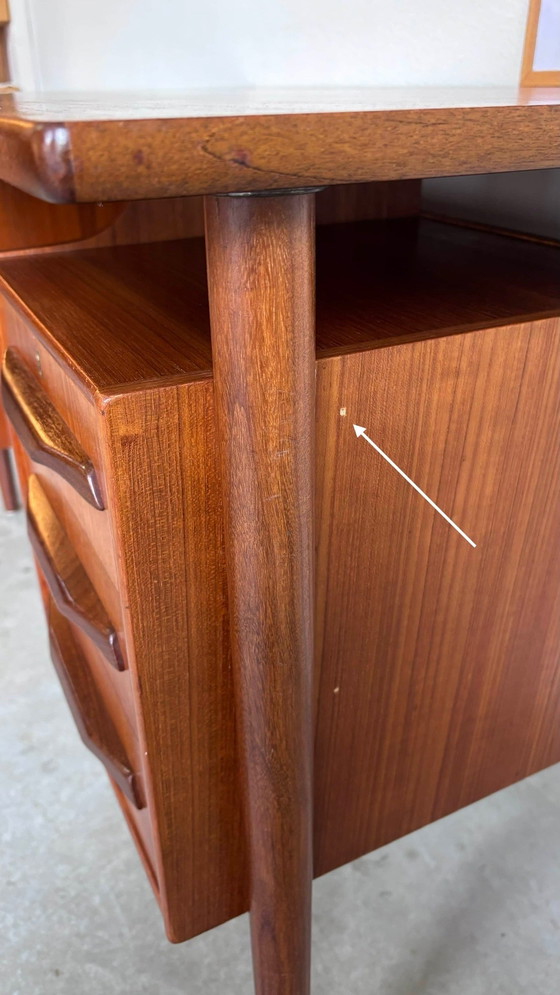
(261, 284)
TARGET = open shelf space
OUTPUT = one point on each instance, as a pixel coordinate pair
(128, 315)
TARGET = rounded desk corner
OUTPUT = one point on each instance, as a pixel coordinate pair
(52, 157)
(37, 158)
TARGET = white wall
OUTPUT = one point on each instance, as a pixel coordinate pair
(161, 44)
(158, 44)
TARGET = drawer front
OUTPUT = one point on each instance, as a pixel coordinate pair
(70, 586)
(42, 431)
(163, 590)
(53, 373)
(58, 435)
(96, 725)
(144, 834)
(116, 689)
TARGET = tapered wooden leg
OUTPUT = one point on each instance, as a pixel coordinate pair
(261, 284)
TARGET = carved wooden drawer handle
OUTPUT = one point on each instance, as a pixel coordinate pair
(94, 724)
(69, 584)
(43, 433)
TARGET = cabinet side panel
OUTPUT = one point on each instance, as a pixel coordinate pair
(438, 665)
(164, 495)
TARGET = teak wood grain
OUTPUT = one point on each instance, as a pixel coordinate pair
(27, 222)
(128, 223)
(261, 283)
(84, 147)
(438, 665)
(164, 496)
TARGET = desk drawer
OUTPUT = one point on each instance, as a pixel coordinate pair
(95, 723)
(42, 431)
(52, 411)
(56, 435)
(66, 578)
(167, 705)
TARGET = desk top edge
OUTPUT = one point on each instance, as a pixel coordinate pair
(112, 146)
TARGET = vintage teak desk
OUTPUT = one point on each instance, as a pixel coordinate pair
(282, 652)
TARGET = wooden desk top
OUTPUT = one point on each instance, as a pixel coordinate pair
(79, 147)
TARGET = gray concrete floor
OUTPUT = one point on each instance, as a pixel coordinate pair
(467, 906)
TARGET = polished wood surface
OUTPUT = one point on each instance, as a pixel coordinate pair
(43, 433)
(152, 221)
(88, 710)
(261, 283)
(81, 147)
(68, 582)
(161, 285)
(164, 496)
(438, 665)
(377, 283)
(380, 284)
(172, 218)
(26, 222)
(134, 222)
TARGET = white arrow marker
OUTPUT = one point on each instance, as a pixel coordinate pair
(360, 430)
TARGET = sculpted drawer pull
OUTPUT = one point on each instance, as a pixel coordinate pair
(93, 722)
(69, 584)
(43, 433)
